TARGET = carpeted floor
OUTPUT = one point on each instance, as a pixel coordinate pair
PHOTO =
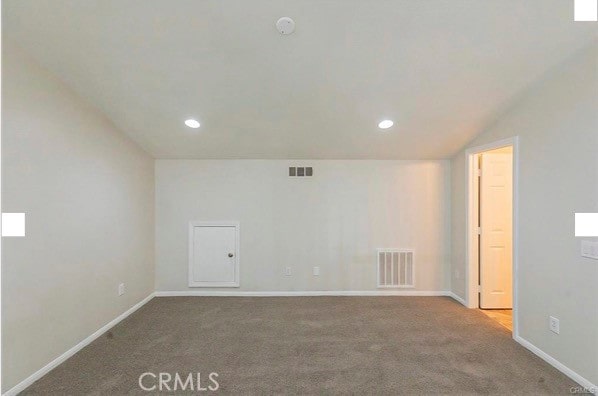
(308, 345)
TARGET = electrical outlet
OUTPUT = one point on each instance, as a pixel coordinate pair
(288, 271)
(554, 325)
(121, 289)
(316, 271)
(457, 274)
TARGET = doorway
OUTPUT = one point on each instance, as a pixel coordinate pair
(491, 236)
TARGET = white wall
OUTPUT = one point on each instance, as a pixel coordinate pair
(558, 127)
(334, 220)
(88, 195)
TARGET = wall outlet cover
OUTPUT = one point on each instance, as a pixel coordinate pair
(316, 271)
(121, 289)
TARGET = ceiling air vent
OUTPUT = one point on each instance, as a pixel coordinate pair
(395, 268)
(301, 171)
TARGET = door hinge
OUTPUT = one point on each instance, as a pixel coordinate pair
(479, 230)
(478, 172)
(479, 288)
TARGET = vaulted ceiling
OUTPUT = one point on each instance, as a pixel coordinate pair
(441, 69)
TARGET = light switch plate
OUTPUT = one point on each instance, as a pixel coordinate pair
(589, 249)
(316, 271)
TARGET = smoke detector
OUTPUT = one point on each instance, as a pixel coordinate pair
(285, 25)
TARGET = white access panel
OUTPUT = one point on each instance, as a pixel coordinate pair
(214, 254)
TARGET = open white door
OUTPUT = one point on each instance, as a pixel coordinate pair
(496, 224)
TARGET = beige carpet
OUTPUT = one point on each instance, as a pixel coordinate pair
(309, 345)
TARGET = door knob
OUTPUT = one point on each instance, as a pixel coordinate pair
(230, 255)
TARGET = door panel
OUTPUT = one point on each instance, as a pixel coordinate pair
(213, 256)
(496, 212)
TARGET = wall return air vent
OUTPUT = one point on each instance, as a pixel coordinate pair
(301, 171)
(395, 268)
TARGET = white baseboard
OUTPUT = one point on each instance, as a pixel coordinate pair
(233, 293)
(457, 298)
(60, 359)
(557, 365)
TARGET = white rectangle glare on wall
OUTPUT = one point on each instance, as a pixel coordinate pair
(585, 10)
(586, 224)
(13, 224)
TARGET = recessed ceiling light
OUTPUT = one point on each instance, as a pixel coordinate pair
(385, 124)
(191, 123)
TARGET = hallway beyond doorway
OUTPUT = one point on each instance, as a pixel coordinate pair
(502, 316)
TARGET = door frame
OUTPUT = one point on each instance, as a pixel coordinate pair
(471, 232)
(192, 225)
